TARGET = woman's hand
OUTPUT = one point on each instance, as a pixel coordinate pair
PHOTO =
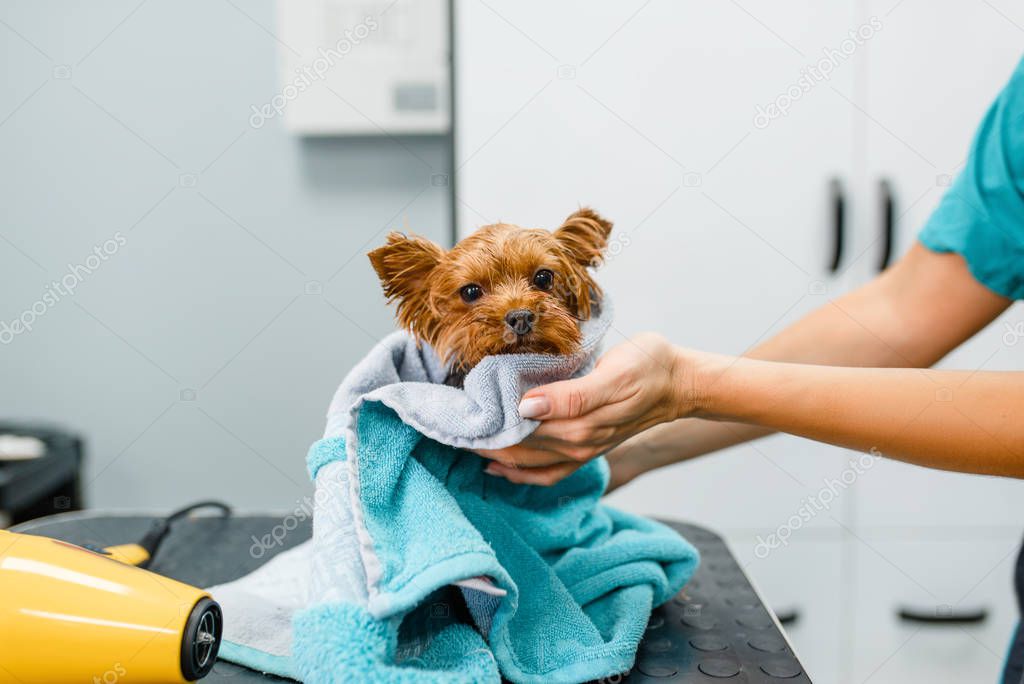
(635, 385)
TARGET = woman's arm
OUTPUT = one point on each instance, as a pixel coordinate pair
(954, 420)
(911, 315)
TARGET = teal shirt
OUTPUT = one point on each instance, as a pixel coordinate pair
(981, 216)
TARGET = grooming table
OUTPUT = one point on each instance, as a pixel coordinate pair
(716, 629)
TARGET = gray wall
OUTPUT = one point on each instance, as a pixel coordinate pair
(242, 279)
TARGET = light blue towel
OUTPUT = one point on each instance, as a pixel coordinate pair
(410, 536)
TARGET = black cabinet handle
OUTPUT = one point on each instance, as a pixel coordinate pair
(788, 616)
(838, 203)
(887, 219)
(943, 615)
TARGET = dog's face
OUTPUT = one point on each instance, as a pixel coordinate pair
(504, 289)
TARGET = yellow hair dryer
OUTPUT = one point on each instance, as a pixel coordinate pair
(75, 614)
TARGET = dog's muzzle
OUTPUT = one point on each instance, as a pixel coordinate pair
(520, 321)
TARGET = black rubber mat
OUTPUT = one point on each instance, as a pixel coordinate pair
(716, 629)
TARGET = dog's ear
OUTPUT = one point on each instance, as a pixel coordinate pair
(584, 235)
(404, 265)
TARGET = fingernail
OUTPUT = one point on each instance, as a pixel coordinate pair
(492, 470)
(534, 407)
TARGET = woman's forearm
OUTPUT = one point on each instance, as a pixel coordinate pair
(835, 334)
(677, 441)
(910, 316)
(840, 333)
(953, 420)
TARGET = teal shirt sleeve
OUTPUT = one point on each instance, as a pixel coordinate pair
(981, 216)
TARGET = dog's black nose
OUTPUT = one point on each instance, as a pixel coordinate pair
(520, 321)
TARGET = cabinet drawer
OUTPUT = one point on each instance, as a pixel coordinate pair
(937, 579)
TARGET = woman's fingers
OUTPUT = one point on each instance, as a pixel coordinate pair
(580, 419)
(600, 428)
(567, 398)
(522, 455)
(544, 476)
(632, 387)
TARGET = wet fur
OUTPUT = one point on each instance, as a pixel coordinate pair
(425, 281)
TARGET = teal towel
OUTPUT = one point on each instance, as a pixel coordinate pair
(581, 578)
(424, 568)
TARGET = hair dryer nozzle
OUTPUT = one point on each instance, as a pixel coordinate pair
(201, 639)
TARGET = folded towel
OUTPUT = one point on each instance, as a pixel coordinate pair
(424, 568)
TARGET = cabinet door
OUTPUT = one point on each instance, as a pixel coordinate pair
(695, 128)
(815, 601)
(931, 73)
(937, 576)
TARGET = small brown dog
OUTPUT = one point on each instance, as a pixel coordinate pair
(502, 290)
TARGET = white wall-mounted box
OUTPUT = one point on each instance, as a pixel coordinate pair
(370, 67)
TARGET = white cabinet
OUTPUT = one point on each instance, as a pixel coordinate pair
(649, 113)
(668, 118)
(941, 576)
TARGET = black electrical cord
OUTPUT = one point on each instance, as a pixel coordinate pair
(155, 537)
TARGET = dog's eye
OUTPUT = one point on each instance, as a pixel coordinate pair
(543, 279)
(471, 293)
